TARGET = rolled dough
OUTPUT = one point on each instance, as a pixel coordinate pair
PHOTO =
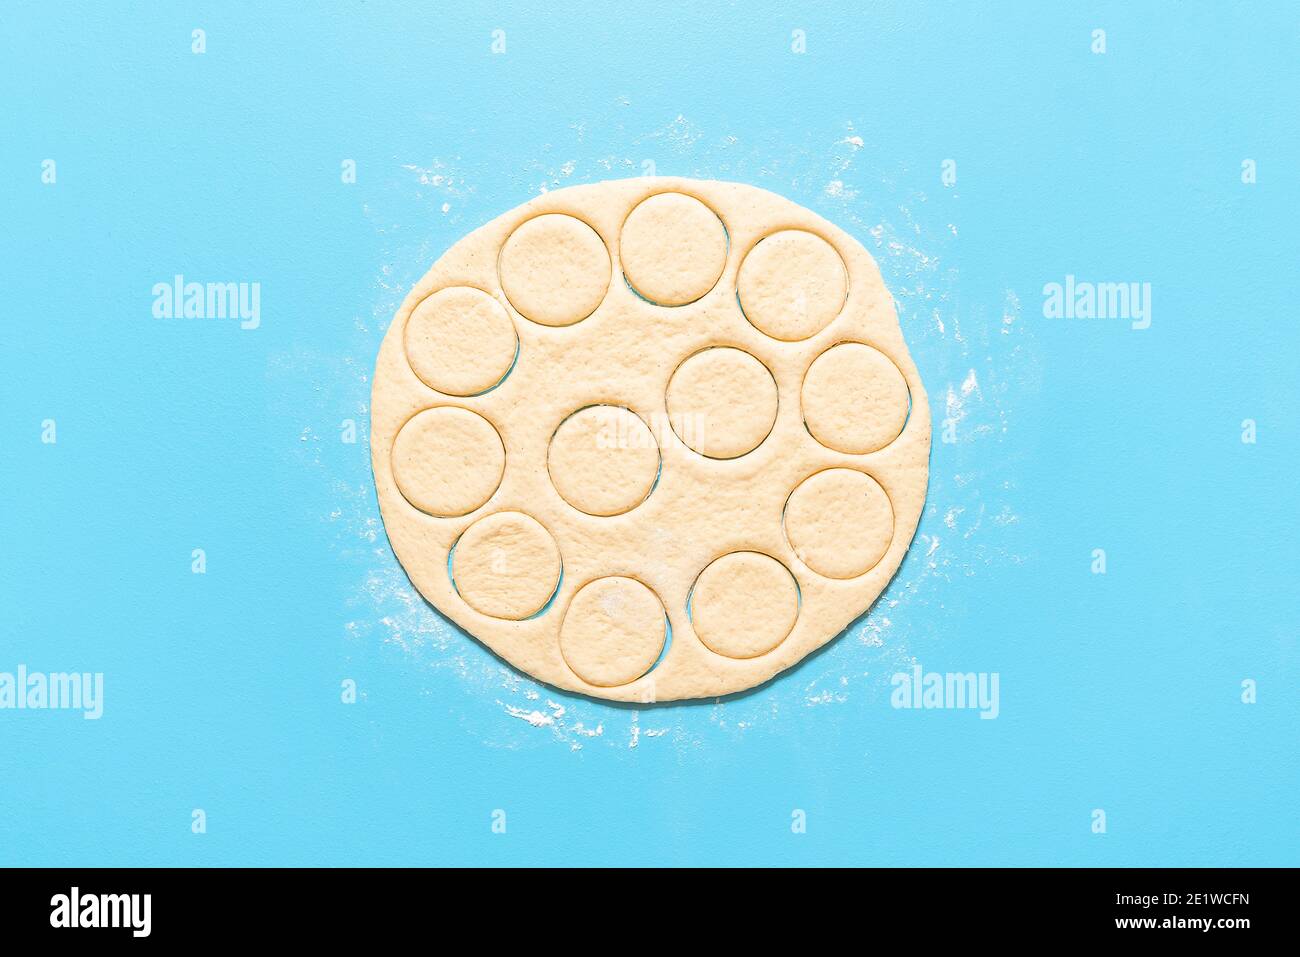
(650, 439)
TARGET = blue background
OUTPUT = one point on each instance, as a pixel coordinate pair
(222, 691)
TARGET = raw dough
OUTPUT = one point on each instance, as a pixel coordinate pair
(719, 434)
(722, 402)
(792, 284)
(506, 566)
(744, 604)
(460, 341)
(854, 398)
(554, 270)
(448, 461)
(673, 249)
(603, 460)
(839, 522)
(613, 631)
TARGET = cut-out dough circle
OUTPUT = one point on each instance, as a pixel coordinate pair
(744, 604)
(554, 270)
(839, 522)
(774, 517)
(722, 402)
(613, 631)
(792, 284)
(603, 460)
(506, 565)
(448, 461)
(673, 249)
(460, 341)
(854, 399)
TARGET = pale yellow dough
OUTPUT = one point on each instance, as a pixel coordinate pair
(722, 402)
(839, 522)
(673, 249)
(603, 460)
(448, 461)
(744, 604)
(854, 398)
(613, 631)
(554, 269)
(506, 566)
(460, 341)
(647, 399)
(792, 284)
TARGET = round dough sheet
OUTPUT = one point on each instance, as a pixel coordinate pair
(651, 439)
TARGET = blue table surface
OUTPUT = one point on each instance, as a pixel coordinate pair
(1119, 692)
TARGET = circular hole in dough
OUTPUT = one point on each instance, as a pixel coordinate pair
(854, 399)
(722, 402)
(460, 341)
(613, 632)
(554, 269)
(506, 565)
(603, 460)
(839, 522)
(792, 284)
(448, 461)
(744, 604)
(673, 248)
